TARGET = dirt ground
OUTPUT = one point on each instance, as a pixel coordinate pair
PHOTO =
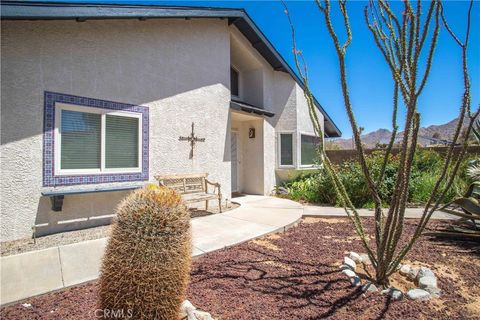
(295, 275)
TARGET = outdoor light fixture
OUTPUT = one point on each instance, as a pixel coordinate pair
(251, 133)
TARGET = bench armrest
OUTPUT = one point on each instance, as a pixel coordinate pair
(215, 184)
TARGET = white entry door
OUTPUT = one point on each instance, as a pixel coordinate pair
(234, 159)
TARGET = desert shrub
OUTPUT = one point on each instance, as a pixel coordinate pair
(146, 265)
(317, 187)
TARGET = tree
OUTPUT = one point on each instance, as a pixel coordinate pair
(436, 135)
(403, 40)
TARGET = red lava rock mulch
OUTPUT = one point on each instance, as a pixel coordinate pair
(295, 275)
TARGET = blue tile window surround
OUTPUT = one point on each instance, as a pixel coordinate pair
(49, 177)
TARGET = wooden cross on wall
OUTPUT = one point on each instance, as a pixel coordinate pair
(192, 139)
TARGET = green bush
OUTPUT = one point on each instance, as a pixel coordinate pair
(317, 187)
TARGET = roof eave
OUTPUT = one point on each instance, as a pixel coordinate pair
(17, 10)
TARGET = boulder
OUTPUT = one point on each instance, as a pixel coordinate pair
(355, 257)
(349, 273)
(427, 281)
(418, 294)
(344, 266)
(350, 262)
(405, 269)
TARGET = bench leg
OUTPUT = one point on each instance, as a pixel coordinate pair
(206, 205)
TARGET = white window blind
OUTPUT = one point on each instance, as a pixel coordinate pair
(121, 142)
(81, 140)
(94, 141)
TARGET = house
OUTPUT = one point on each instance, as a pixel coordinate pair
(95, 97)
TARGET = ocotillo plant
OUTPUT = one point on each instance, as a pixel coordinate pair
(407, 42)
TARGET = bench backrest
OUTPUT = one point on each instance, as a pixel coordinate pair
(185, 182)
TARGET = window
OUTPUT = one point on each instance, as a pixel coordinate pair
(286, 149)
(94, 140)
(309, 145)
(234, 81)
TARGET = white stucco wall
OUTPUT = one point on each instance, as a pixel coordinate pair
(178, 68)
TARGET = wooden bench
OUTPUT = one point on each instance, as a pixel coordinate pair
(193, 187)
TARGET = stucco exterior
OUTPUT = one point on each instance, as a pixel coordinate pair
(179, 69)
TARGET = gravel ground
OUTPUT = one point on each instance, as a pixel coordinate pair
(294, 275)
(28, 244)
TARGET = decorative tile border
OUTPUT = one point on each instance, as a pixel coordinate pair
(49, 177)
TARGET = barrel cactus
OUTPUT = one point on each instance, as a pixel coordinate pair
(147, 261)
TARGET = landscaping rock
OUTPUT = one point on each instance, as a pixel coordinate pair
(369, 287)
(344, 266)
(394, 293)
(282, 190)
(355, 257)
(189, 312)
(418, 294)
(405, 269)
(412, 274)
(425, 272)
(365, 259)
(356, 281)
(349, 273)
(201, 315)
(434, 291)
(427, 281)
(350, 262)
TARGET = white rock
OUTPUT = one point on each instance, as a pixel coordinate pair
(356, 281)
(187, 310)
(369, 287)
(418, 294)
(427, 281)
(365, 259)
(355, 257)
(405, 269)
(349, 273)
(201, 315)
(344, 266)
(425, 272)
(26, 305)
(350, 262)
(434, 291)
(396, 294)
(412, 275)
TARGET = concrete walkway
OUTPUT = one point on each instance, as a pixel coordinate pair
(32, 273)
(410, 213)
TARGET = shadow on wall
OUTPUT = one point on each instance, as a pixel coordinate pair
(79, 212)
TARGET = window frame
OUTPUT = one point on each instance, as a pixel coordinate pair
(103, 112)
(294, 148)
(239, 82)
(300, 165)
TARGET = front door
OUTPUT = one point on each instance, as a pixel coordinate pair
(234, 159)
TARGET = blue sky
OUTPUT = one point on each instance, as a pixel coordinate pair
(369, 78)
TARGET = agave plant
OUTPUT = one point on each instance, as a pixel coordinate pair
(467, 208)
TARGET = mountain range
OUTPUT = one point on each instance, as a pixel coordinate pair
(434, 134)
